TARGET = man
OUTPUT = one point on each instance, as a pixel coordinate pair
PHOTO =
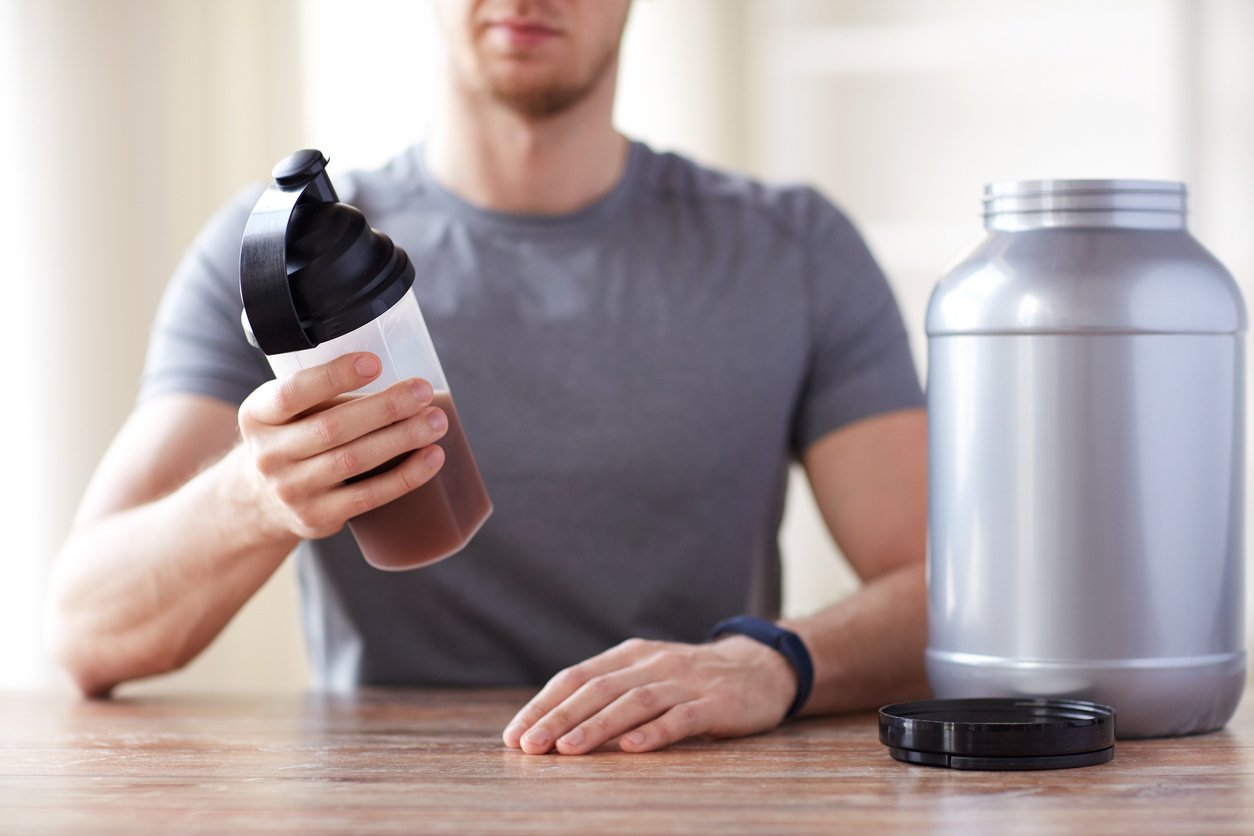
(636, 345)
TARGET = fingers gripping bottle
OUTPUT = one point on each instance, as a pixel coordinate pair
(317, 283)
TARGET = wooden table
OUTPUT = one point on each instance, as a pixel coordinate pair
(407, 761)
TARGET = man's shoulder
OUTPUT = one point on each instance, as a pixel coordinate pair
(793, 209)
(384, 187)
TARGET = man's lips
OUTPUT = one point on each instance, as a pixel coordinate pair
(521, 34)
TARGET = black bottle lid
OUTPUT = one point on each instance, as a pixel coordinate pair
(298, 167)
(999, 734)
(311, 268)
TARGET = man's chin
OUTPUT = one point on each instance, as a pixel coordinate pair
(539, 90)
(539, 102)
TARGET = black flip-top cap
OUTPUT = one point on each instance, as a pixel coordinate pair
(299, 167)
(311, 268)
(999, 734)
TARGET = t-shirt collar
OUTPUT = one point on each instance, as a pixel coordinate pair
(600, 213)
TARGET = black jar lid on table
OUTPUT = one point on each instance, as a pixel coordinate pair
(999, 734)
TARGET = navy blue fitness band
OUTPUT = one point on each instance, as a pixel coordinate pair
(788, 643)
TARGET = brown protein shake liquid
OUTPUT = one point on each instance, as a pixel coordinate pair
(434, 520)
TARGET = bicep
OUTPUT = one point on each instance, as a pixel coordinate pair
(870, 483)
(163, 443)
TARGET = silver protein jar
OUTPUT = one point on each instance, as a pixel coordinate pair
(1086, 437)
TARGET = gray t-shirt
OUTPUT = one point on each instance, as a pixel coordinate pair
(634, 379)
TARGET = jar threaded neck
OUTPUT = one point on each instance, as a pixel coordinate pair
(1017, 205)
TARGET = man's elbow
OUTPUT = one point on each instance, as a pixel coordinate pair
(72, 655)
(97, 664)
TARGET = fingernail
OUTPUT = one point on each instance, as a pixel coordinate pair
(436, 419)
(635, 738)
(422, 391)
(432, 455)
(573, 737)
(514, 730)
(367, 365)
(537, 737)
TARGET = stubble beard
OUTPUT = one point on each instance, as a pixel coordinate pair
(540, 101)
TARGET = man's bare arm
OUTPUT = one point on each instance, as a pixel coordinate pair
(196, 505)
(870, 482)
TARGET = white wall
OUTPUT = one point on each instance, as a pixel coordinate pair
(22, 509)
(126, 123)
(132, 120)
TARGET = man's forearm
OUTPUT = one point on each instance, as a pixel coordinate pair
(142, 591)
(868, 649)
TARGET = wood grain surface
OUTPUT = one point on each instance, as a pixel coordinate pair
(418, 761)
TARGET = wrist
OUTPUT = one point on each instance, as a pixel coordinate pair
(239, 488)
(766, 665)
(783, 643)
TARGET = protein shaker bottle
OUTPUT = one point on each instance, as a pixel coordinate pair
(1086, 415)
(317, 283)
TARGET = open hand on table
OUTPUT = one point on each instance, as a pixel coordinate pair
(649, 694)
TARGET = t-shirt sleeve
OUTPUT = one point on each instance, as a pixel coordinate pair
(197, 344)
(860, 363)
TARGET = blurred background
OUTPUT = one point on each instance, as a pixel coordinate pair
(125, 123)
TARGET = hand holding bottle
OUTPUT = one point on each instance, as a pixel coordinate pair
(319, 284)
(307, 436)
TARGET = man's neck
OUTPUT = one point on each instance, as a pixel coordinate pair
(498, 159)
